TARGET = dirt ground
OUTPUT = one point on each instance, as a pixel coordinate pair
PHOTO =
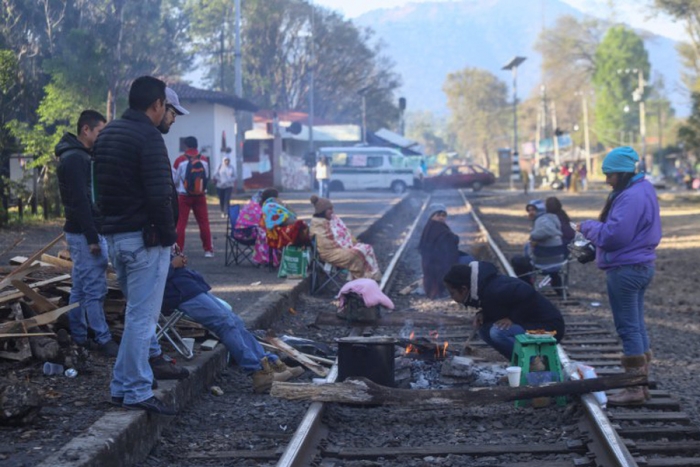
(671, 303)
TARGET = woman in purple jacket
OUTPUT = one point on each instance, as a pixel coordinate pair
(626, 235)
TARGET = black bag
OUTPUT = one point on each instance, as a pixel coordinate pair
(151, 236)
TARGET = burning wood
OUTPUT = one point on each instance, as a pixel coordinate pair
(422, 347)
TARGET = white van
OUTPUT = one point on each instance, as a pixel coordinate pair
(361, 168)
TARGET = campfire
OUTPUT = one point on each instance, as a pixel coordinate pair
(425, 348)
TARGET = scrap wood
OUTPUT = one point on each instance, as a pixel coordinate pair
(39, 320)
(315, 358)
(411, 287)
(29, 334)
(361, 391)
(291, 352)
(12, 296)
(39, 303)
(29, 261)
(68, 264)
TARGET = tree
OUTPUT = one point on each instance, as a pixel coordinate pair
(277, 41)
(689, 133)
(427, 130)
(619, 59)
(568, 63)
(688, 12)
(479, 111)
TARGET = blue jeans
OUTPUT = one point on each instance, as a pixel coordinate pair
(217, 316)
(502, 340)
(89, 288)
(626, 287)
(323, 186)
(142, 273)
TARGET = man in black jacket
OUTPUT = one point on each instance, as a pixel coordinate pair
(88, 249)
(134, 195)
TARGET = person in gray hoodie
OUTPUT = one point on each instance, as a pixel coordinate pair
(545, 247)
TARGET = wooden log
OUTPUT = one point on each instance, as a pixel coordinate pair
(30, 261)
(315, 358)
(410, 287)
(291, 352)
(361, 391)
(27, 334)
(43, 348)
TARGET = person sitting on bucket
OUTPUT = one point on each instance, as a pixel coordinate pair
(507, 306)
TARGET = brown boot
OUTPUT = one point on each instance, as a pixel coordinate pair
(633, 364)
(279, 367)
(648, 354)
(263, 379)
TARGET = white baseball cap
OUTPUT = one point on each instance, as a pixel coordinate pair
(172, 99)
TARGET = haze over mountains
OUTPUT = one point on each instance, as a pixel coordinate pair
(429, 40)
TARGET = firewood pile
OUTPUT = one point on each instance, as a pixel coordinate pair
(34, 296)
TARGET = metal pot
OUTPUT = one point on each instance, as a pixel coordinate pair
(369, 357)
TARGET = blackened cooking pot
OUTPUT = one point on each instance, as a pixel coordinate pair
(369, 357)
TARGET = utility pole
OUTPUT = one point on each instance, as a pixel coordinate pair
(584, 104)
(639, 94)
(555, 138)
(311, 85)
(515, 163)
(240, 132)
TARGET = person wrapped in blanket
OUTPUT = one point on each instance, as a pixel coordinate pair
(439, 250)
(186, 290)
(249, 220)
(280, 222)
(336, 244)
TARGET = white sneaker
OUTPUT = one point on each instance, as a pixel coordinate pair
(223, 216)
(208, 254)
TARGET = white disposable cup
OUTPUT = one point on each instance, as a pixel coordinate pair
(189, 343)
(514, 376)
(52, 369)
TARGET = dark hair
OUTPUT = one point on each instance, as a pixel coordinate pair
(623, 179)
(91, 118)
(459, 275)
(144, 91)
(268, 193)
(190, 142)
(553, 206)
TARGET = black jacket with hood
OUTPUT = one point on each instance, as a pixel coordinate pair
(133, 178)
(75, 186)
(500, 296)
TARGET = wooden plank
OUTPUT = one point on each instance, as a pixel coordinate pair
(39, 320)
(651, 417)
(654, 433)
(290, 351)
(39, 303)
(601, 341)
(12, 296)
(30, 261)
(327, 361)
(662, 447)
(264, 454)
(66, 264)
(445, 450)
(672, 462)
(18, 335)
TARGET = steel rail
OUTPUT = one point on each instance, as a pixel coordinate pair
(300, 448)
(619, 454)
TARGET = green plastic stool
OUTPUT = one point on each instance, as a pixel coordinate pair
(529, 346)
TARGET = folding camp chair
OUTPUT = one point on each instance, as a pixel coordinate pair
(543, 271)
(165, 327)
(323, 274)
(240, 243)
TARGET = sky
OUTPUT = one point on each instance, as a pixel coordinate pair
(631, 11)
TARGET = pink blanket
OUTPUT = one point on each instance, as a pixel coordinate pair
(369, 290)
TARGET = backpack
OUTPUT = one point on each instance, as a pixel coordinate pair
(196, 179)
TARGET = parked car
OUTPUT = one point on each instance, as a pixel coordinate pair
(460, 176)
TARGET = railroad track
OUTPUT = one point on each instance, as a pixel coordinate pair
(657, 434)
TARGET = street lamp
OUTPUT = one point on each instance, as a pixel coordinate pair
(513, 65)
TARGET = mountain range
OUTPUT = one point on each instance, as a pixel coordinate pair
(427, 41)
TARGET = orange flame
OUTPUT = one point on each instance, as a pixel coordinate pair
(411, 348)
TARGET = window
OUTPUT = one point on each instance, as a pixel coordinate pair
(375, 161)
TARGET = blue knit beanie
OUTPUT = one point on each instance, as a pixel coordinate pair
(620, 160)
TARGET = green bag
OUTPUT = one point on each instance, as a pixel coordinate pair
(294, 262)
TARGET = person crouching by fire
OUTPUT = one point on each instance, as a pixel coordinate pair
(507, 306)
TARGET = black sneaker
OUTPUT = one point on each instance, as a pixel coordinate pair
(153, 405)
(164, 367)
(116, 401)
(108, 349)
